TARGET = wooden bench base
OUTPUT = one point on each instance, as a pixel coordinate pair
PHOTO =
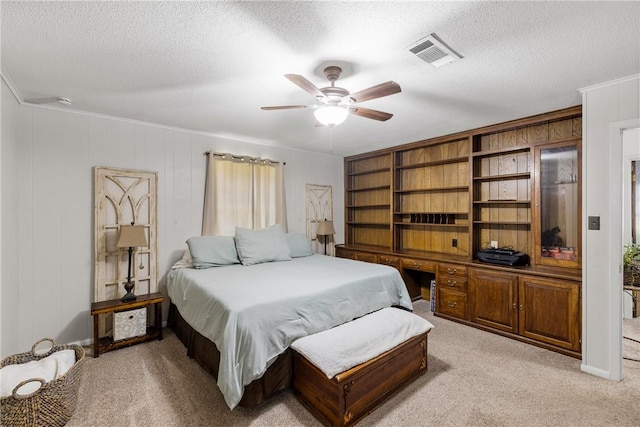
(349, 396)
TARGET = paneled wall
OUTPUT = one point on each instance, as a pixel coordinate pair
(48, 157)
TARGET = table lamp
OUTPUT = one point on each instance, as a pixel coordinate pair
(131, 236)
(325, 228)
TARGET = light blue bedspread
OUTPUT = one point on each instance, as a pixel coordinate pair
(253, 313)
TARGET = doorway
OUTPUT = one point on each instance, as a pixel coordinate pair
(630, 236)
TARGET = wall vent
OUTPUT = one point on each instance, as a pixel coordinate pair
(433, 51)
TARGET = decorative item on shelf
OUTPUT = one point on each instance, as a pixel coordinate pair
(131, 236)
(325, 228)
(631, 263)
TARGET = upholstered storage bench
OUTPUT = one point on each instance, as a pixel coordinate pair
(344, 373)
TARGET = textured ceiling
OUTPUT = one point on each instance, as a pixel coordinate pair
(210, 66)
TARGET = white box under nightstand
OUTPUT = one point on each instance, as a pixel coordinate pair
(129, 324)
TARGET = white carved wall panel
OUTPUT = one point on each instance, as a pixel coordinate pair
(319, 202)
(123, 196)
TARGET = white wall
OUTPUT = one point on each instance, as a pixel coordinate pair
(604, 107)
(47, 190)
(9, 220)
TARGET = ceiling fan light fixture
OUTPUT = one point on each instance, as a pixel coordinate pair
(331, 115)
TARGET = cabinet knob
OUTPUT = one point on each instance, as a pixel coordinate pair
(453, 304)
(452, 284)
(521, 307)
(515, 306)
(451, 270)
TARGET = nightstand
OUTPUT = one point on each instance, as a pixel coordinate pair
(101, 345)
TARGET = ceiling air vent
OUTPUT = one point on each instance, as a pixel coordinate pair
(433, 51)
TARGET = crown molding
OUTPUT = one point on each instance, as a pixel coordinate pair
(609, 83)
(12, 87)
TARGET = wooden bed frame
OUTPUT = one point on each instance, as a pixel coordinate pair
(277, 377)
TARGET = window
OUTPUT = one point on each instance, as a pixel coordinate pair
(242, 191)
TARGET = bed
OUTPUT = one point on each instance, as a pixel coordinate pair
(239, 320)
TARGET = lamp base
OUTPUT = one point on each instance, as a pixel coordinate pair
(128, 297)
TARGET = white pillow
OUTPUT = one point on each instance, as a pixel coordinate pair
(212, 251)
(262, 245)
(299, 245)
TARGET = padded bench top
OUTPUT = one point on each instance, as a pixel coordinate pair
(341, 348)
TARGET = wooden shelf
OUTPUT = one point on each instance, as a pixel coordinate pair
(502, 202)
(503, 222)
(494, 176)
(500, 151)
(426, 224)
(376, 187)
(432, 189)
(381, 206)
(433, 163)
(379, 170)
(426, 212)
(103, 344)
(368, 224)
(523, 175)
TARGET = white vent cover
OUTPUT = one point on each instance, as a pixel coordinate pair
(433, 51)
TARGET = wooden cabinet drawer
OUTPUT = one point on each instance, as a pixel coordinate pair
(418, 264)
(452, 269)
(366, 257)
(451, 303)
(344, 253)
(458, 283)
(393, 261)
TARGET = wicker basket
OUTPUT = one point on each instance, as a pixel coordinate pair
(53, 403)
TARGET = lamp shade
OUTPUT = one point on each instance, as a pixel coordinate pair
(131, 236)
(331, 115)
(325, 228)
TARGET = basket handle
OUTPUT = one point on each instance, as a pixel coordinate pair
(46, 353)
(15, 394)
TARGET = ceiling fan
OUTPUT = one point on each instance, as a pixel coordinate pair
(335, 103)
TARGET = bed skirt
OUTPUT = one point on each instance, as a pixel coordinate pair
(277, 377)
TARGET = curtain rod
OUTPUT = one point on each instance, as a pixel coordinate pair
(243, 158)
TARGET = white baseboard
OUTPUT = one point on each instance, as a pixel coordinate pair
(595, 371)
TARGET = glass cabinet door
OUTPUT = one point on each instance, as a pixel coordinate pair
(558, 199)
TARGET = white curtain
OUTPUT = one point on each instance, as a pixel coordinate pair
(244, 192)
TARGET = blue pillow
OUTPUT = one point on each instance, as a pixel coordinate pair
(262, 245)
(212, 251)
(299, 245)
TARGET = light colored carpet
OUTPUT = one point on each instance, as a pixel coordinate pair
(474, 378)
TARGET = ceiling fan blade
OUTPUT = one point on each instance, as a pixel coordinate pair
(305, 84)
(371, 114)
(378, 91)
(283, 107)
